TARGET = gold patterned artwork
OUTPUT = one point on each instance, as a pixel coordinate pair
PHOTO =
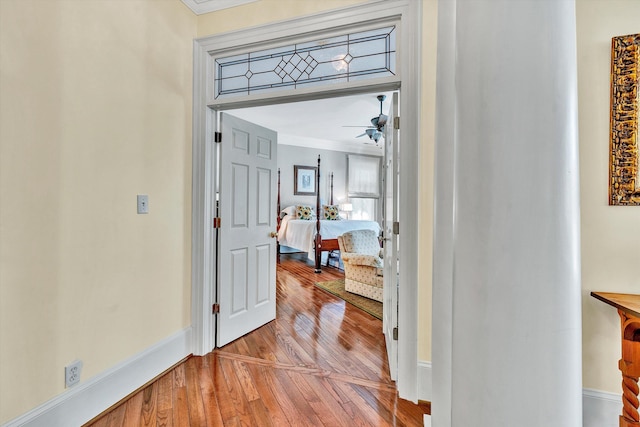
(624, 177)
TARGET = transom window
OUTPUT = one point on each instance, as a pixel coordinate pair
(345, 58)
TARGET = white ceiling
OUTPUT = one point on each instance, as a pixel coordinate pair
(205, 6)
(322, 123)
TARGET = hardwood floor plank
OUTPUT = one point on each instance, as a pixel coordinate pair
(366, 412)
(180, 407)
(194, 394)
(221, 386)
(235, 394)
(116, 417)
(246, 381)
(260, 413)
(321, 362)
(101, 421)
(268, 396)
(148, 414)
(308, 416)
(286, 401)
(209, 399)
(134, 410)
(164, 401)
(320, 403)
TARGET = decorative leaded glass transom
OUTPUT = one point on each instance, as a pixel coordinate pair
(350, 57)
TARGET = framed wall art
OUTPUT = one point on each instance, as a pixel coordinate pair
(624, 160)
(304, 180)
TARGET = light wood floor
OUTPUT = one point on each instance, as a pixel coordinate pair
(322, 362)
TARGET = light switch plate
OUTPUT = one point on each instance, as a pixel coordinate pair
(143, 204)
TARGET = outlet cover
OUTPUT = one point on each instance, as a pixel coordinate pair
(143, 204)
(72, 373)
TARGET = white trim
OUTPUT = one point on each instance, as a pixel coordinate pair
(410, 63)
(85, 401)
(600, 408)
(203, 243)
(205, 6)
(424, 381)
(409, 12)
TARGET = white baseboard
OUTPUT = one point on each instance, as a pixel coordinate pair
(599, 408)
(85, 401)
(424, 381)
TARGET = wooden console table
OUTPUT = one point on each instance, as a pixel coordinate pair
(628, 306)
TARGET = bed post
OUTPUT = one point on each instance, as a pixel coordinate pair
(278, 220)
(318, 241)
(331, 189)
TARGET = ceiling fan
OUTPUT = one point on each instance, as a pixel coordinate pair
(376, 131)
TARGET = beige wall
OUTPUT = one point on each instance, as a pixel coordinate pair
(264, 12)
(610, 234)
(95, 107)
(426, 170)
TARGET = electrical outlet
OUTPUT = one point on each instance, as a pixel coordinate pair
(143, 204)
(72, 373)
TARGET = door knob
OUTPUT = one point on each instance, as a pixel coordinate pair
(273, 234)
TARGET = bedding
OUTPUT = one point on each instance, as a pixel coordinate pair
(299, 234)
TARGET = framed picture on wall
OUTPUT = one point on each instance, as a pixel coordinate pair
(304, 180)
(624, 163)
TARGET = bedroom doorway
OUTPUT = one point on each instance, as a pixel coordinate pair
(335, 128)
(400, 15)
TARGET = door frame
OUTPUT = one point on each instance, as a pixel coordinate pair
(408, 14)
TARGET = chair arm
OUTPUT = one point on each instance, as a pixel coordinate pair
(361, 259)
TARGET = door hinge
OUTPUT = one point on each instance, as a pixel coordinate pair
(396, 227)
(216, 222)
(215, 308)
(217, 136)
(396, 123)
(395, 333)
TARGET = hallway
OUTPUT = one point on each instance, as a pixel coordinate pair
(322, 362)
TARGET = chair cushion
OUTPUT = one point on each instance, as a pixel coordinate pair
(362, 242)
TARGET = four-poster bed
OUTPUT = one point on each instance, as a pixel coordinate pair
(315, 236)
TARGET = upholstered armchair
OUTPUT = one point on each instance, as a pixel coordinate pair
(360, 252)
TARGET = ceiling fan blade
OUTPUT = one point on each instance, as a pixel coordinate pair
(357, 126)
(362, 134)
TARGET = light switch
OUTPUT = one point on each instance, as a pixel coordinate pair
(143, 204)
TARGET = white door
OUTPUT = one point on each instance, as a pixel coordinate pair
(247, 250)
(390, 290)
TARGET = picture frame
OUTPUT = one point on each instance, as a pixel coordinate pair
(624, 161)
(304, 180)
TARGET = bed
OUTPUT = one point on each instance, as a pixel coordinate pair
(316, 235)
